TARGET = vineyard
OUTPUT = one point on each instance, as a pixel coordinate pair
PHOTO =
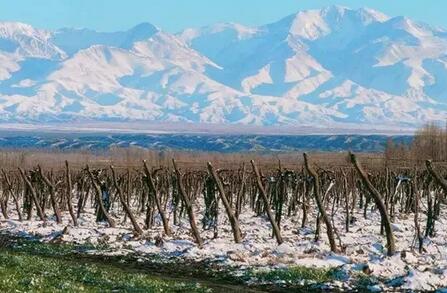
(379, 225)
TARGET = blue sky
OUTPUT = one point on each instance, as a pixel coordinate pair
(175, 15)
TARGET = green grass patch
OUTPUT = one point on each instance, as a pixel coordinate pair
(20, 272)
(296, 274)
(50, 249)
(363, 281)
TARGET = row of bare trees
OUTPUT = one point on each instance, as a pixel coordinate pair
(429, 143)
(172, 194)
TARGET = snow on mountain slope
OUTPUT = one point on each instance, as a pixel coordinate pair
(157, 79)
(9, 64)
(369, 105)
(331, 67)
(26, 41)
(73, 40)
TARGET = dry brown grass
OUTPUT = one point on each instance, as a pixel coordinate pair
(132, 158)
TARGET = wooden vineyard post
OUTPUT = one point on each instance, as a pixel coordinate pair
(13, 194)
(33, 195)
(231, 217)
(99, 199)
(240, 194)
(380, 205)
(263, 193)
(151, 184)
(318, 199)
(69, 194)
(127, 210)
(415, 194)
(50, 184)
(188, 206)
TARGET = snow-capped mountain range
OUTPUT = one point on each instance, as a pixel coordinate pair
(330, 67)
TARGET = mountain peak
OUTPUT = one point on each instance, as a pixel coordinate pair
(239, 29)
(224, 29)
(373, 14)
(73, 40)
(314, 23)
(27, 41)
(144, 28)
(12, 29)
(141, 32)
(338, 9)
(364, 13)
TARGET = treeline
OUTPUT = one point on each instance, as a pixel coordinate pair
(429, 143)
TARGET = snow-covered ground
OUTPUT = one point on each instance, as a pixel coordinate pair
(364, 246)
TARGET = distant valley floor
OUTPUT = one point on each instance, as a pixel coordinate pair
(222, 143)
